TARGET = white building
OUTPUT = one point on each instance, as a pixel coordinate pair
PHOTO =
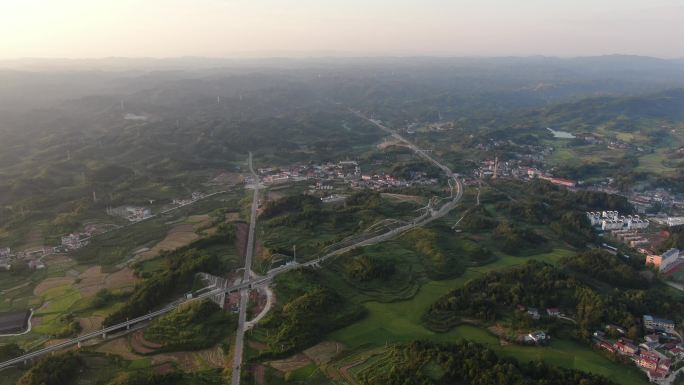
(669, 259)
(675, 221)
(75, 241)
(612, 221)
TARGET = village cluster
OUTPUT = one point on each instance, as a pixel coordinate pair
(660, 351)
(325, 176)
(76, 240)
(515, 169)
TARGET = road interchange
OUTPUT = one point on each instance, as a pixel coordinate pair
(250, 282)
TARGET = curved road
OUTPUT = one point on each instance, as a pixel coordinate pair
(248, 282)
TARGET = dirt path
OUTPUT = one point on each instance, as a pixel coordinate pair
(345, 371)
(259, 374)
(404, 198)
(140, 345)
(270, 300)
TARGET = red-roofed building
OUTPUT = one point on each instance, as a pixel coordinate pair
(647, 363)
(553, 312)
(626, 348)
(606, 345)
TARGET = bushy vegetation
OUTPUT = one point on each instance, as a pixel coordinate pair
(9, 351)
(441, 261)
(487, 298)
(178, 277)
(426, 363)
(515, 239)
(676, 239)
(607, 268)
(71, 329)
(313, 225)
(193, 326)
(478, 219)
(494, 296)
(305, 319)
(540, 203)
(365, 268)
(53, 370)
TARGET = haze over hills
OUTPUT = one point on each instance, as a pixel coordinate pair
(414, 218)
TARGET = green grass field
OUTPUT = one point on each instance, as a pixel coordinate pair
(654, 163)
(58, 302)
(396, 322)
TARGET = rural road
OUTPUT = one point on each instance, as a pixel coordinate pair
(244, 293)
(248, 283)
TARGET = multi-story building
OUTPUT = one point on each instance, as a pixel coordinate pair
(670, 259)
(654, 323)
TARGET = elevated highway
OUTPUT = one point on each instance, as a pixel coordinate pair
(456, 188)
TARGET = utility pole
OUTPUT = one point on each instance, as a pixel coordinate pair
(294, 251)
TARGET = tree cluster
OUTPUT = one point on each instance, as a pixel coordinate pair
(177, 277)
(306, 319)
(194, 326)
(607, 268)
(53, 370)
(428, 363)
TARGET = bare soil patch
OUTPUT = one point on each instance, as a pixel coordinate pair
(57, 260)
(121, 279)
(120, 347)
(389, 143)
(324, 352)
(51, 283)
(164, 368)
(228, 178)
(90, 324)
(140, 345)
(198, 218)
(36, 321)
(274, 195)
(242, 230)
(232, 217)
(213, 357)
(257, 345)
(259, 374)
(404, 198)
(289, 364)
(178, 236)
(94, 280)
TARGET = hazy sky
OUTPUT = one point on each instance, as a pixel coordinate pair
(218, 28)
